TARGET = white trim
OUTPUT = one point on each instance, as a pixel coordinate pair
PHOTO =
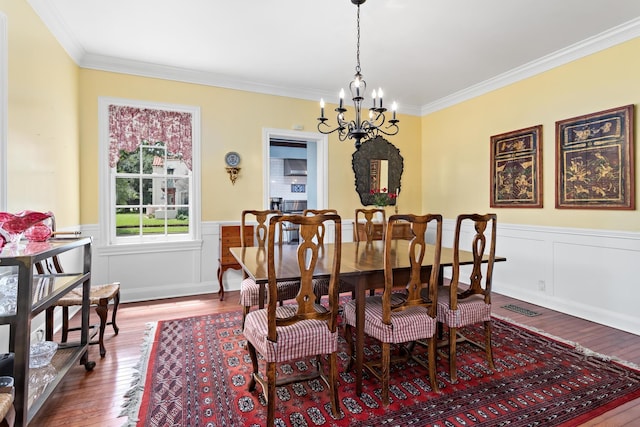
(604, 40)
(4, 105)
(322, 156)
(106, 215)
(50, 16)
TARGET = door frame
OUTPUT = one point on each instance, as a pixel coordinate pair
(322, 159)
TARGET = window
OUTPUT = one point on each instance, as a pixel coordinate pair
(150, 175)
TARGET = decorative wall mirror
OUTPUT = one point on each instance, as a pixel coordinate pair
(377, 165)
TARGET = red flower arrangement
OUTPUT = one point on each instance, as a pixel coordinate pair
(382, 198)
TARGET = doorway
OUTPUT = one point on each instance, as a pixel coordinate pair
(304, 177)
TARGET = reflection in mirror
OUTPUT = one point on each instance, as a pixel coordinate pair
(382, 157)
(379, 176)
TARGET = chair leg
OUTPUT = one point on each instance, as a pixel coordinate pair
(254, 362)
(432, 364)
(101, 309)
(116, 302)
(348, 336)
(65, 324)
(245, 311)
(333, 386)
(271, 393)
(453, 335)
(386, 362)
(487, 343)
(49, 324)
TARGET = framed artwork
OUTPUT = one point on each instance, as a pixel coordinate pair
(516, 169)
(594, 161)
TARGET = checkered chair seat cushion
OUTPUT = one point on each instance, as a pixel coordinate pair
(406, 325)
(96, 293)
(250, 291)
(470, 310)
(301, 339)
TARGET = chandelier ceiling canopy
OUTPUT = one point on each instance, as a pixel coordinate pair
(360, 129)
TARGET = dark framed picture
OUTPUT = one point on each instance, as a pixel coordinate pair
(516, 169)
(595, 161)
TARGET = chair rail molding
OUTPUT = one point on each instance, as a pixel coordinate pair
(581, 272)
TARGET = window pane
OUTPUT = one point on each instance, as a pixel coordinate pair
(178, 188)
(153, 225)
(129, 162)
(181, 222)
(153, 160)
(148, 190)
(127, 221)
(127, 191)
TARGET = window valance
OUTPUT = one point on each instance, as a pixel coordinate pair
(129, 126)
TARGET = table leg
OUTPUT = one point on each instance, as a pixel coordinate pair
(360, 288)
(220, 274)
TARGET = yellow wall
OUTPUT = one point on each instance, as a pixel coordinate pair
(233, 120)
(53, 134)
(456, 140)
(42, 135)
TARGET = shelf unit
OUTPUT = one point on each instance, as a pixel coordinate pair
(37, 292)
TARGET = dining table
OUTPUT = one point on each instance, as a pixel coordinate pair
(361, 270)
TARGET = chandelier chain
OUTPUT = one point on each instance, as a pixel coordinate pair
(358, 43)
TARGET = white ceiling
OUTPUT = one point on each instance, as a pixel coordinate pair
(425, 54)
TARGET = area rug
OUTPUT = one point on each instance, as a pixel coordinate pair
(194, 372)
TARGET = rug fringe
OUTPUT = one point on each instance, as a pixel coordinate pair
(133, 396)
(576, 346)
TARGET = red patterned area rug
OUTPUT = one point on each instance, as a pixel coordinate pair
(195, 370)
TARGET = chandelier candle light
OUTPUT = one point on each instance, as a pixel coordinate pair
(360, 129)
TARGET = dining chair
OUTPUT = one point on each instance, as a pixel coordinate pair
(301, 329)
(369, 232)
(467, 304)
(402, 317)
(249, 289)
(321, 285)
(100, 296)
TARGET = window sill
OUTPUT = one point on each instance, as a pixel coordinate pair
(149, 247)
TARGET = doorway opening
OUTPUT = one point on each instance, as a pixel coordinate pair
(295, 171)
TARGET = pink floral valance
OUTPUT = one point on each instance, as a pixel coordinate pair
(129, 126)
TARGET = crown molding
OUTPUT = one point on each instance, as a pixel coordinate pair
(604, 40)
(50, 16)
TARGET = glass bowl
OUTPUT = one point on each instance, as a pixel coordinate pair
(41, 353)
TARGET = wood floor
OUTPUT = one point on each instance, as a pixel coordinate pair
(94, 399)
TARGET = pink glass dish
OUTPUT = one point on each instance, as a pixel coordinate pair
(39, 232)
(14, 225)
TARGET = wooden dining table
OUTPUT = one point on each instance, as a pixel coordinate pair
(361, 269)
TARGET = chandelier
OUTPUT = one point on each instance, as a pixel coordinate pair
(360, 129)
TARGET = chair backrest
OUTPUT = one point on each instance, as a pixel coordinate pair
(321, 228)
(311, 255)
(260, 230)
(418, 291)
(50, 265)
(368, 225)
(483, 246)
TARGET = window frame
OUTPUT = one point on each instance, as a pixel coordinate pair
(107, 186)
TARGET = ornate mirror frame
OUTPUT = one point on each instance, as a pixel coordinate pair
(377, 148)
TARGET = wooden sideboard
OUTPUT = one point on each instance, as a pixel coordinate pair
(400, 231)
(230, 238)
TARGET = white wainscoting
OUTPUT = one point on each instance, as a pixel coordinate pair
(591, 274)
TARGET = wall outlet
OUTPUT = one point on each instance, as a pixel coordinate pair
(541, 285)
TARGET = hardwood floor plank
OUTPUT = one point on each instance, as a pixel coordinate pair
(94, 399)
